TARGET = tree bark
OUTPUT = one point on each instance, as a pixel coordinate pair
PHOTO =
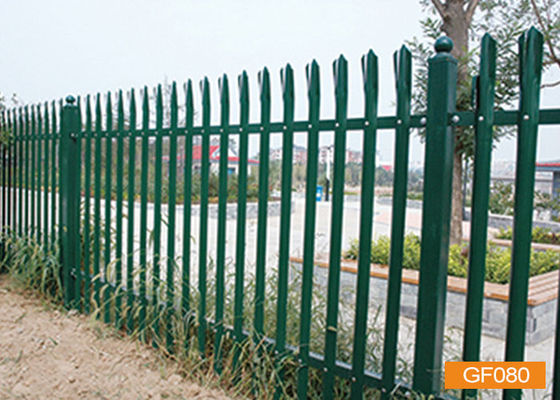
(456, 20)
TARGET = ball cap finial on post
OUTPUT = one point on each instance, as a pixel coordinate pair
(443, 45)
(70, 99)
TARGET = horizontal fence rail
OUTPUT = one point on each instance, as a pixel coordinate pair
(99, 183)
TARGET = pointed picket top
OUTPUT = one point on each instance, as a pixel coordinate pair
(120, 112)
(340, 72)
(174, 108)
(20, 116)
(53, 113)
(205, 90)
(109, 111)
(98, 115)
(46, 117)
(80, 117)
(521, 44)
(533, 34)
(88, 114)
(20, 121)
(39, 119)
(26, 120)
(159, 109)
(189, 105)
(402, 66)
(223, 86)
(243, 83)
(313, 79)
(287, 79)
(132, 110)
(370, 72)
(60, 107)
(9, 120)
(145, 110)
(264, 85)
(530, 51)
(13, 120)
(78, 105)
(33, 120)
(488, 58)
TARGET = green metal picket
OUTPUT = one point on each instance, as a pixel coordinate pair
(484, 101)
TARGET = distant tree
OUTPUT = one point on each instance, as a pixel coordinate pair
(383, 177)
(353, 174)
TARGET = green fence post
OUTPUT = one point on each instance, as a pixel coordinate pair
(436, 211)
(69, 200)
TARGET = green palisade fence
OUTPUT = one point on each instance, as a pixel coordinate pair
(100, 183)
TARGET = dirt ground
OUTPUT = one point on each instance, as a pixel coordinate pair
(47, 354)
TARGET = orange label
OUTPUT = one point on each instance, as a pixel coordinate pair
(495, 375)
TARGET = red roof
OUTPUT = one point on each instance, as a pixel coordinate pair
(549, 166)
(214, 155)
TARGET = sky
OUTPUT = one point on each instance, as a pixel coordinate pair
(49, 49)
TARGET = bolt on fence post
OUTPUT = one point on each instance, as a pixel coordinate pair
(436, 212)
(69, 192)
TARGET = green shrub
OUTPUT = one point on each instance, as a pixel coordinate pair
(415, 196)
(497, 264)
(380, 250)
(411, 252)
(458, 263)
(501, 199)
(498, 260)
(539, 235)
(31, 265)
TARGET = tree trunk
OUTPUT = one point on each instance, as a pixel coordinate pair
(456, 26)
(456, 230)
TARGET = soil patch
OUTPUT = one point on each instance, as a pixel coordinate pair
(51, 354)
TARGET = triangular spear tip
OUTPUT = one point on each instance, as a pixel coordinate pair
(488, 36)
(405, 50)
(313, 67)
(534, 31)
